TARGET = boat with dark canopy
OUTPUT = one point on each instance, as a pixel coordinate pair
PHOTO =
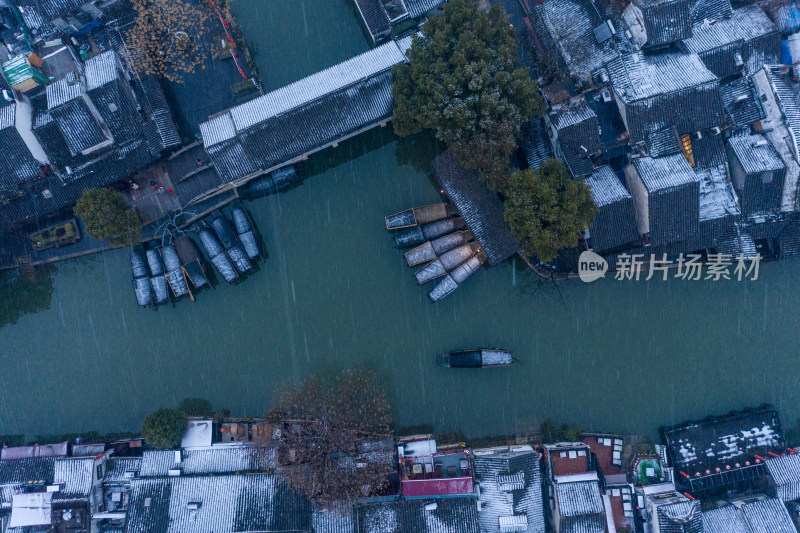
(417, 235)
(483, 358)
(245, 231)
(419, 215)
(216, 254)
(190, 261)
(227, 236)
(175, 277)
(141, 282)
(157, 280)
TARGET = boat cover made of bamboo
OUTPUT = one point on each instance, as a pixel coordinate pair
(416, 235)
(157, 280)
(216, 254)
(430, 250)
(419, 215)
(459, 275)
(245, 231)
(172, 263)
(475, 358)
(141, 281)
(227, 236)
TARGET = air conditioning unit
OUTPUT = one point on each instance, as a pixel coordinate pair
(698, 135)
(716, 130)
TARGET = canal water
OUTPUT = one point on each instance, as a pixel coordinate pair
(333, 294)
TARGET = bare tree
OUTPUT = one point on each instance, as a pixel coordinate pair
(170, 37)
(331, 437)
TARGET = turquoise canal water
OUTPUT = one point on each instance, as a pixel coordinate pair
(333, 293)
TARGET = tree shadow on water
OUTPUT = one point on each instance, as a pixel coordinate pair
(26, 293)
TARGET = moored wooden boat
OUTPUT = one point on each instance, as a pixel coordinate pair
(216, 254)
(417, 235)
(245, 230)
(483, 358)
(419, 215)
(157, 280)
(457, 277)
(449, 261)
(141, 281)
(190, 261)
(430, 250)
(174, 272)
(227, 236)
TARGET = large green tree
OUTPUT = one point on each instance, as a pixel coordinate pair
(164, 428)
(108, 218)
(463, 81)
(547, 209)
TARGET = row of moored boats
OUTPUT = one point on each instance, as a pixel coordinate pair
(178, 267)
(443, 248)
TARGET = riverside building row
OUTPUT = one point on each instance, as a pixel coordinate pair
(682, 117)
(729, 474)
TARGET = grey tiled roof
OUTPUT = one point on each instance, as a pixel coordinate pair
(727, 519)
(217, 460)
(453, 515)
(567, 29)
(536, 143)
(717, 198)
(579, 498)
(664, 172)
(680, 517)
(768, 516)
(16, 164)
(666, 21)
(122, 469)
(101, 69)
(748, 31)
(22, 470)
(785, 15)
(637, 76)
(480, 207)
(755, 153)
(335, 518)
(741, 102)
(417, 8)
(304, 115)
(510, 484)
(615, 223)
(710, 10)
(663, 142)
(223, 503)
(787, 99)
(64, 90)
(785, 472)
(374, 16)
(58, 8)
(75, 477)
(709, 150)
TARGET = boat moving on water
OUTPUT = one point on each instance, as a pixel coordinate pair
(483, 358)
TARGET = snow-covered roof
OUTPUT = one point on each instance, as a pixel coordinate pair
(746, 24)
(451, 515)
(75, 477)
(101, 69)
(122, 469)
(768, 516)
(717, 198)
(727, 519)
(7, 115)
(606, 187)
(579, 498)
(755, 153)
(666, 21)
(335, 518)
(536, 143)
(638, 76)
(664, 172)
(206, 504)
(510, 487)
(720, 441)
(741, 101)
(214, 460)
(570, 28)
(785, 472)
(787, 99)
(571, 112)
(663, 142)
(304, 91)
(64, 90)
(680, 517)
(711, 10)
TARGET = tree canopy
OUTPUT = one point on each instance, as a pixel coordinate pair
(463, 81)
(107, 217)
(547, 209)
(170, 37)
(164, 428)
(326, 429)
(196, 407)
